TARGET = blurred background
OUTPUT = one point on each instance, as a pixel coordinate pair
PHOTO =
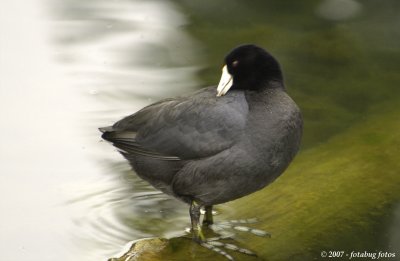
(68, 67)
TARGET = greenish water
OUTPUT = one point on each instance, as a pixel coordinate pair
(95, 62)
(335, 70)
(341, 64)
(342, 191)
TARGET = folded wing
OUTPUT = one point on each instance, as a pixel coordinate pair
(182, 128)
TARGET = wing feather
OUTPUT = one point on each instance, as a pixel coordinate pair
(189, 127)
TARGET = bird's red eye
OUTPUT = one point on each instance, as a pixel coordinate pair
(235, 63)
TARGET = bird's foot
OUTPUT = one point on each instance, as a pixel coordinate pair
(221, 243)
(218, 231)
(238, 225)
(198, 235)
(217, 246)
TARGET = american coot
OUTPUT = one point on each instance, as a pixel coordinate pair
(217, 144)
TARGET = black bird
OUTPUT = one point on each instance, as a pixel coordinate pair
(217, 144)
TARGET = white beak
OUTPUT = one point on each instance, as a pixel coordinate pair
(225, 83)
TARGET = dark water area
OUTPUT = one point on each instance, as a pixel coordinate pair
(69, 67)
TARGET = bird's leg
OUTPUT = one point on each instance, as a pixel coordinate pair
(208, 217)
(194, 212)
(213, 244)
(198, 235)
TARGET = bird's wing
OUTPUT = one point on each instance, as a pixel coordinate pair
(188, 127)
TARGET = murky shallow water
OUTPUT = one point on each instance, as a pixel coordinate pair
(69, 67)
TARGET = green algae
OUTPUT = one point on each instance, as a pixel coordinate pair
(334, 196)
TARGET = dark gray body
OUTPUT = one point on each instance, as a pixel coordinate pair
(211, 149)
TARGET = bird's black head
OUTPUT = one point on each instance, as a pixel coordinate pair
(250, 67)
